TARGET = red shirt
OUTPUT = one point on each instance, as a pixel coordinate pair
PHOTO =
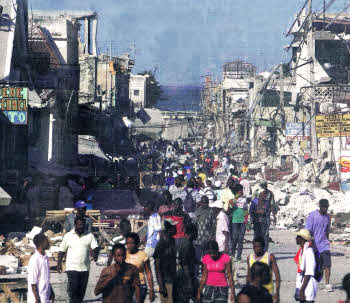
(180, 230)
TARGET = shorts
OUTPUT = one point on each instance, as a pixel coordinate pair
(325, 257)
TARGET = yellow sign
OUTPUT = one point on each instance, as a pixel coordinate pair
(335, 125)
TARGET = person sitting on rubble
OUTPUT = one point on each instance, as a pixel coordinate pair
(79, 211)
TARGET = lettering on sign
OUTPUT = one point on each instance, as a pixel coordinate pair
(13, 103)
(334, 125)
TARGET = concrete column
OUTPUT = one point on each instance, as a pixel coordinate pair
(87, 35)
(94, 36)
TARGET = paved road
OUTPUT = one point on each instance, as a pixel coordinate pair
(284, 250)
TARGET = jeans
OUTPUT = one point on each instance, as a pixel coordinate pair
(77, 282)
(261, 229)
(199, 250)
(214, 294)
(238, 232)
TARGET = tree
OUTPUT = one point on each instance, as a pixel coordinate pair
(154, 90)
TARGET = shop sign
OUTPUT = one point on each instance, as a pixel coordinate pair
(13, 103)
(334, 125)
(297, 131)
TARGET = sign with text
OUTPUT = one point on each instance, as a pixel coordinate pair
(334, 125)
(13, 103)
(297, 131)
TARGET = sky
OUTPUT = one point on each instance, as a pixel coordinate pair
(183, 40)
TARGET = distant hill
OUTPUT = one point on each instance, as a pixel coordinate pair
(180, 98)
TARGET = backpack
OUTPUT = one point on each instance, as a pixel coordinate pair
(189, 203)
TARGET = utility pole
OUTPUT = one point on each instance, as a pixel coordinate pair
(281, 89)
(311, 46)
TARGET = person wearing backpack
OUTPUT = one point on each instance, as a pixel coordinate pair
(318, 223)
(190, 198)
(306, 283)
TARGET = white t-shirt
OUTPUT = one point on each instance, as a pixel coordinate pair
(222, 225)
(39, 274)
(308, 265)
(78, 249)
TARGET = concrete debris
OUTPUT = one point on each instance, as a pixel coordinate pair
(36, 230)
(15, 252)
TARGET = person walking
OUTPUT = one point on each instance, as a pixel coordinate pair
(306, 284)
(217, 277)
(190, 197)
(260, 210)
(79, 211)
(318, 224)
(208, 191)
(154, 226)
(76, 245)
(39, 287)
(254, 291)
(120, 281)
(186, 284)
(206, 224)
(222, 233)
(270, 198)
(238, 230)
(180, 218)
(176, 189)
(259, 255)
(125, 228)
(165, 261)
(139, 258)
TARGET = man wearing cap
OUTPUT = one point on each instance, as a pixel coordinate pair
(318, 223)
(79, 211)
(76, 245)
(306, 284)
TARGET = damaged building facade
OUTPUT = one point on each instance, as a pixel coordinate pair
(274, 114)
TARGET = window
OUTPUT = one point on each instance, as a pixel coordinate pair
(136, 92)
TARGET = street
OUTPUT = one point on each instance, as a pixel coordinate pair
(284, 250)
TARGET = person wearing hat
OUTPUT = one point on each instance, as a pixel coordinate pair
(306, 284)
(79, 211)
(318, 223)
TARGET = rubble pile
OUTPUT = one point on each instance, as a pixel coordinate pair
(15, 251)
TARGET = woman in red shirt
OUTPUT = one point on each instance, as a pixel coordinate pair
(217, 276)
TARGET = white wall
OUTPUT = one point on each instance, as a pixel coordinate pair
(138, 82)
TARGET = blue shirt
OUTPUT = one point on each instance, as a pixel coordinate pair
(319, 226)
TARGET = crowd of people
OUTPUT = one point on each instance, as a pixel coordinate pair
(195, 237)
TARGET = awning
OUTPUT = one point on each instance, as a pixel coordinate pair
(5, 198)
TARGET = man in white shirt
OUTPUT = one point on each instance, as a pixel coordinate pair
(77, 244)
(306, 284)
(222, 226)
(39, 287)
(154, 226)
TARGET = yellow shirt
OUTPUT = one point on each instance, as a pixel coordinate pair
(139, 259)
(264, 259)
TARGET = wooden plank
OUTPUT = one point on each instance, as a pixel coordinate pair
(9, 293)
